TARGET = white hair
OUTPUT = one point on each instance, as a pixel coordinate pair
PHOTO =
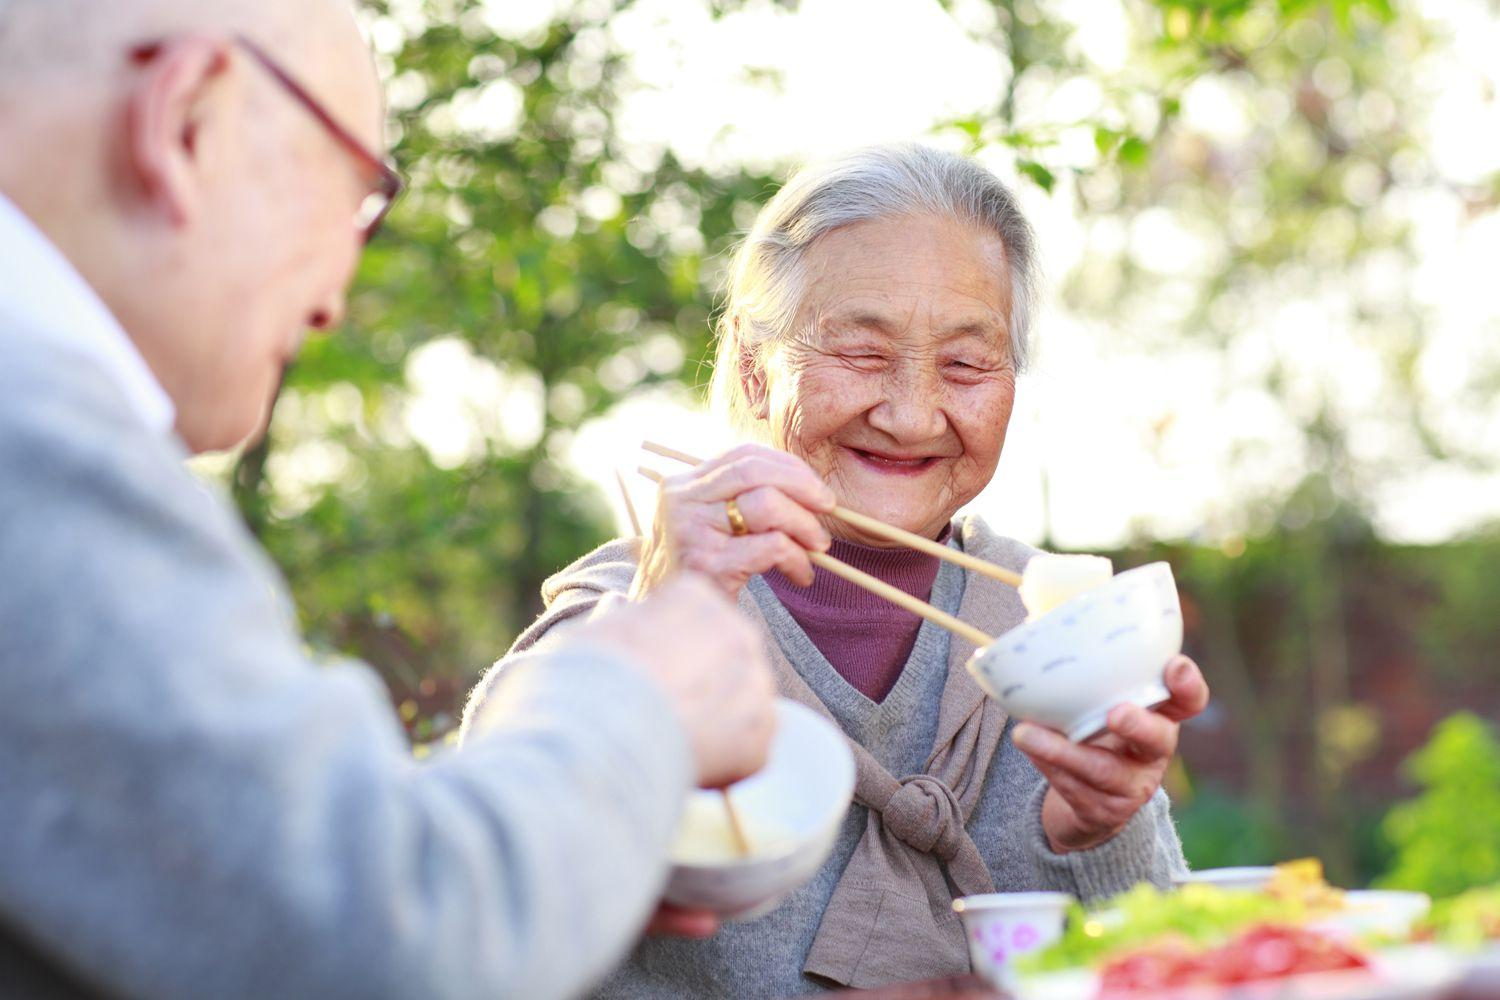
(878, 182)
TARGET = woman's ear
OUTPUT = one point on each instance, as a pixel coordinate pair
(752, 378)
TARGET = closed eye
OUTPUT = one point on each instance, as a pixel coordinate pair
(966, 371)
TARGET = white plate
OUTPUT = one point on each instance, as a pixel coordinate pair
(1481, 977)
(1389, 912)
(1414, 973)
(1247, 879)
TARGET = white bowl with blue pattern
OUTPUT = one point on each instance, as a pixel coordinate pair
(1105, 647)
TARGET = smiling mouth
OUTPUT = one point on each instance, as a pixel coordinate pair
(893, 465)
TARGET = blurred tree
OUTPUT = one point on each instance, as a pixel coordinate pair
(1237, 160)
(539, 269)
(1220, 830)
(1245, 174)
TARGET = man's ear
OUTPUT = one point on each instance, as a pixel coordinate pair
(165, 114)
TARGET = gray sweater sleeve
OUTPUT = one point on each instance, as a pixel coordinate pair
(190, 808)
(572, 596)
(1147, 850)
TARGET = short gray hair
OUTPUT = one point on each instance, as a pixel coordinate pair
(877, 182)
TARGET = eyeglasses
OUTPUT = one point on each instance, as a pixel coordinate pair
(387, 182)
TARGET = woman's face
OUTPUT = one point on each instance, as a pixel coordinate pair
(898, 381)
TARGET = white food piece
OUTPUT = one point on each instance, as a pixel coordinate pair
(1050, 581)
(704, 836)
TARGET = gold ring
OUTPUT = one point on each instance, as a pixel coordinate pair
(737, 525)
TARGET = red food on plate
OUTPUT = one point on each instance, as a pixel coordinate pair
(1266, 952)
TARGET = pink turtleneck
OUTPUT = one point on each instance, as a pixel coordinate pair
(866, 639)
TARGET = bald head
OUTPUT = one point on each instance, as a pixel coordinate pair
(193, 187)
(43, 40)
(42, 35)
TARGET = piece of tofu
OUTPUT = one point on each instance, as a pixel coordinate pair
(1051, 580)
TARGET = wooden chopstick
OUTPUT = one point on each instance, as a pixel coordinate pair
(897, 596)
(880, 588)
(880, 528)
(635, 521)
(736, 827)
(890, 531)
(741, 842)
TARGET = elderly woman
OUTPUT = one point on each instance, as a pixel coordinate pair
(877, 317)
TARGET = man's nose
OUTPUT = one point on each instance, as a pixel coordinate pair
(327, 314)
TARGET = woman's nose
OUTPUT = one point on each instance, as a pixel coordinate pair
(911, 411)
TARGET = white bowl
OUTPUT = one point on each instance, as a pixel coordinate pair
(804, 793)
(1105, 647)
(1481, 977)
(1390, 912)
(1000, 926)
(1246, 879)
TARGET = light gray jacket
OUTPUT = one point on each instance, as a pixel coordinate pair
(190, 808)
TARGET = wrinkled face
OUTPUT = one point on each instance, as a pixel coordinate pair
(898, 384)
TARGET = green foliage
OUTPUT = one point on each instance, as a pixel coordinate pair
(1202, 914)
(1040, 175)
(564, 267)
(1217, 21)
(576, 268)
(1220, 830)
(1469, 921)
(1328, 657)
(1447, 839)
(1457, 629)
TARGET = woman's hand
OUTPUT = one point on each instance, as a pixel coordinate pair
(778, 499)
(1096, 788)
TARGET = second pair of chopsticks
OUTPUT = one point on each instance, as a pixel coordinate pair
(879, 528)
(736, 825)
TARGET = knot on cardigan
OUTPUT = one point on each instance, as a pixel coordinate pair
(924, 813)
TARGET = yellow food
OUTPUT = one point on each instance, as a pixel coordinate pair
(1050, 581)
(704, 836)
(1302, 880)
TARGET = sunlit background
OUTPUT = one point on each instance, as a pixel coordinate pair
(1268, 349)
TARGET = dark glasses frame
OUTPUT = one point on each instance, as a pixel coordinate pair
(388, 183)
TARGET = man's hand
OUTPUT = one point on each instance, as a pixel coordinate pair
(710, 664)
(1095, 789)
(672, 921)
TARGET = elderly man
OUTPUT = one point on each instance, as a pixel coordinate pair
(188, 807)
